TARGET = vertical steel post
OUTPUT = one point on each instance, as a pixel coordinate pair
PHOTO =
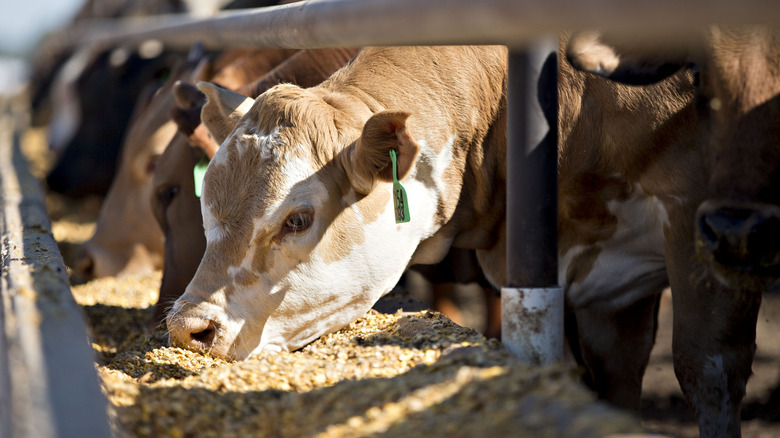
(532, 301)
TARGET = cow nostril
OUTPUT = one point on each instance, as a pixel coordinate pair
(206, 336)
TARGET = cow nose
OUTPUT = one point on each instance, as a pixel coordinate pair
(193, 333)
(746, 239)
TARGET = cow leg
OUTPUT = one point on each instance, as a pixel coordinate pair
(614, 346)
(713, 348)
(713, 339)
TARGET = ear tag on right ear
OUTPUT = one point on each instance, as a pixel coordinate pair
(199, 172)
(400, 201)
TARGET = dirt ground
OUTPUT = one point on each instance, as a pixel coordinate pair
(664, 410)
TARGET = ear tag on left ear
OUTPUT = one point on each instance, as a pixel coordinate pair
(400, 201)
(199, 172)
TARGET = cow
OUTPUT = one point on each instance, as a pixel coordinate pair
(184, 238)
(309, 231)
(83, 135)
(737, 77)
(127, 239)
(173, 200)
(738, 83)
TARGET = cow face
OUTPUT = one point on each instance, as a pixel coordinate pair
(299, 221)
(738, 81)
(98, 93)
(126, 239)
(739, 108)
(177, 211)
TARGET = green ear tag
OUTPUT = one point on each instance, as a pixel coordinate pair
(399, 195)
(198, 172)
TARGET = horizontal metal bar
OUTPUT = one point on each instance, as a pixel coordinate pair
(354, 23)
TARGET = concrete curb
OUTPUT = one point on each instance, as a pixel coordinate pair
(48, 384)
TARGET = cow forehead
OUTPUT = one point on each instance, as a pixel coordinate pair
(745, 63)
(256, 173)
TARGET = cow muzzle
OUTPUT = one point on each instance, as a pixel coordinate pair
(193, 332)
(741, 238)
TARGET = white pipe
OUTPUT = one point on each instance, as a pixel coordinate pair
(532, 324)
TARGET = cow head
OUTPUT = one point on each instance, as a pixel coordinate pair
(299, 220)
(177, 211)
(126, 239)
(738, 81)
(94, 96)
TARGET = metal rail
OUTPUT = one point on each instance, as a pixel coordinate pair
(355, 23)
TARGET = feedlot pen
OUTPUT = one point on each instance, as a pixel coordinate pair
(81, 360)
(410, 374)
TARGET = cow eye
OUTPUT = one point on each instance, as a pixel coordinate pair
(298, 222)
(166, 194)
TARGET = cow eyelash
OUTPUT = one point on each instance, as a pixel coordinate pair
(298, 222)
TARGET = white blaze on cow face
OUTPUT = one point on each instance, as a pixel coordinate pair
(301, 239)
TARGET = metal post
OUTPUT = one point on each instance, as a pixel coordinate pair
(532, 301)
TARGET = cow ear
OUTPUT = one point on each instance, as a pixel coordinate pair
(369, 158)
(591, 52)
(223, 109)
(187, 95)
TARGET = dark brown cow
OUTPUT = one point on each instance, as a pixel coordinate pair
(737, 112)
(174, 203)
(738, 82)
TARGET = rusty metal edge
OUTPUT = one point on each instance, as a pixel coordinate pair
(48, 383)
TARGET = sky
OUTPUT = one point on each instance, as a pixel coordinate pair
(24, 22)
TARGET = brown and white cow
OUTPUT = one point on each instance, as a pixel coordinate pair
(736, 112)
(173, 200)
(297, 202)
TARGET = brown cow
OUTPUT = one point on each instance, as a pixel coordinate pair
(306, 240)
(738, 82)
(127, 240)
(307, 68)
(737, 77)
(173, 201)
